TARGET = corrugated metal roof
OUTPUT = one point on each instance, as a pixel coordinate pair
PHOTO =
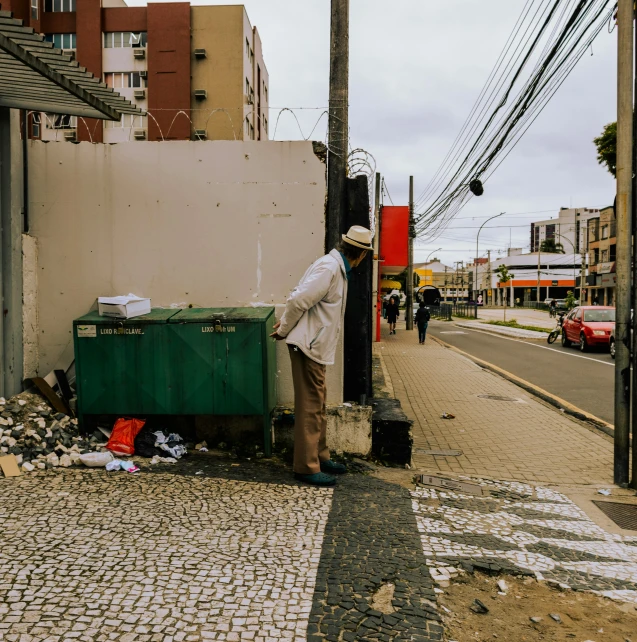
(36, 76)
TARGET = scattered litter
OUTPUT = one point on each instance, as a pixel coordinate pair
(235, 464)
(447, 415)
(170, 444)
(162, 460)
(9, 466)
(129, 466)
(22, 402)
(202, 445)
(177, 451)
(113, 465)
(107, 432)
(96, 460)
(535, 619)
(345, 403)
(478, 607)
(173, 436)
(203, 450)
(556, 617)
(407, 467)
(199, 472)
(160, 438)
(604, 491)
(503, 586)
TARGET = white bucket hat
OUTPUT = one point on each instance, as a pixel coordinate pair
(359, 236)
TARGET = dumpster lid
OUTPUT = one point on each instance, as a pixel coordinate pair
(157, 315)
(226, 315)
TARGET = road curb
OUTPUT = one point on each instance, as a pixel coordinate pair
(558, 402)
(501, 331)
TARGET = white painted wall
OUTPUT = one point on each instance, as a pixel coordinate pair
(212, 223)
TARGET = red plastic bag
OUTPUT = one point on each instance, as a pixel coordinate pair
(122, 440)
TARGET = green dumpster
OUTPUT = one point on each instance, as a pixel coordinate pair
(199, 361)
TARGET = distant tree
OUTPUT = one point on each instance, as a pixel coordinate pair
(549, 246)
(504, 276)
(606, 144)
(570, 300)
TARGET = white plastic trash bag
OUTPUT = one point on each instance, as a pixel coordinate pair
(96, 460)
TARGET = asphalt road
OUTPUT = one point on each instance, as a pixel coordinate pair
(585, 380)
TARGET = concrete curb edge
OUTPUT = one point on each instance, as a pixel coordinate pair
(555, 401)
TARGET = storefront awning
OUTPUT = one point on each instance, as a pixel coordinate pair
(36, 76)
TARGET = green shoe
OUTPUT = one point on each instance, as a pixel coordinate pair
(333, 468)
(317, 479)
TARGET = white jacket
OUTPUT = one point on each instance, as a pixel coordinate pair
(314, 312)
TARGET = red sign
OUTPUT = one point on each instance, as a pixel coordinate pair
(394, 237)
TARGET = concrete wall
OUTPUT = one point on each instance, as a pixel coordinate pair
(211, 223)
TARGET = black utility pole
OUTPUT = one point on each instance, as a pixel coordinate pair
(338, 123)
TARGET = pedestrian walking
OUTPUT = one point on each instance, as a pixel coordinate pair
(422, 321)
(311, 325)
(393, 312)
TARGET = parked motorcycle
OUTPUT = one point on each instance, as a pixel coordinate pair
(555, 333)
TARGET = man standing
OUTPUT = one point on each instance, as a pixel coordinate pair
(311, 325)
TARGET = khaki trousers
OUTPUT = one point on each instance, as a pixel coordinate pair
(310, 425)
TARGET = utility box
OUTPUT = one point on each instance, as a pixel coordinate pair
(200, 361)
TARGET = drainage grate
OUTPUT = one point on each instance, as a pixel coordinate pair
(624, 515)
(499, 398)
(441, 453)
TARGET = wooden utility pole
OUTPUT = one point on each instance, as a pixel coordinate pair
(338, 138)
(623, 215)
(409, 281)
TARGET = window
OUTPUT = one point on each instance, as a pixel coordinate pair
(123, 79)
(35, 10)
(251, 132)
(599, 316)
(247, 127)
(62, 40)
(604, 231)
(58, 5)
(58, 121)
(265, 92)
(127, 121)
(265, 124)
(35, 125)
(247, 87)
(248, 48)
(604, 256)
(118, 39)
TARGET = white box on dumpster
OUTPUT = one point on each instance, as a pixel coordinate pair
(123, 307)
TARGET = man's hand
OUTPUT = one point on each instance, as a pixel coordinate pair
(275, 335)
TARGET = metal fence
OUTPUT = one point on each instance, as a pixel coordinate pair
(445, 311)
(442, 311)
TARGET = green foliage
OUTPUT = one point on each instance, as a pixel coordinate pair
(570, 300)
(606, 144)
(549, 246)
(504, 276)
(514, 324)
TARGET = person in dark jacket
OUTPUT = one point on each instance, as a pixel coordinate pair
(392, 314)
(422, 321)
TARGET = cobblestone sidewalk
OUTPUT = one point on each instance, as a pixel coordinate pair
(520, 439)
(210, 550)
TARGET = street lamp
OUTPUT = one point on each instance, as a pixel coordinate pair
(430, 253)
(477, 242)
(574, 253)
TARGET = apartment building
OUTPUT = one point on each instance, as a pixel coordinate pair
(568, 229)
(198, 71)
(602, 243)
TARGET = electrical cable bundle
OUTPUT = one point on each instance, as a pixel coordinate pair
(547, 41)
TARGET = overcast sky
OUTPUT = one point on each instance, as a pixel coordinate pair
(416, 68)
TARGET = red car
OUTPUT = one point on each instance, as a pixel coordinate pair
(588, 326)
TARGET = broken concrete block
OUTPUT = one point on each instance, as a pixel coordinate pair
(65, 461)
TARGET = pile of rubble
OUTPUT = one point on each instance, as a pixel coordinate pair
(39, 437)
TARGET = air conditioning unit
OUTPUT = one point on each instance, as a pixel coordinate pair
(139, 93)
(70, 135)
(200, 134)
(143, 74)
(200, 53)
(140, 134)
(201, 94)
(139, 53)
